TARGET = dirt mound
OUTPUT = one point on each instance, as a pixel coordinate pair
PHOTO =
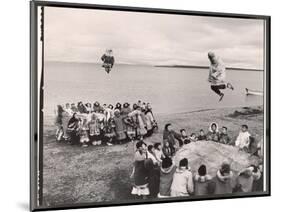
(212, 155)
(246, 111)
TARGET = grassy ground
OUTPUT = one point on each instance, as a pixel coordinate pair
(78, 175)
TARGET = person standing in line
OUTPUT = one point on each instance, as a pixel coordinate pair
(182, 184)
(224, 180)
(245, 180)
(202, 181)
(167, 171)
(120, 128)
(140, 173)
(153, 172)
(73, 129)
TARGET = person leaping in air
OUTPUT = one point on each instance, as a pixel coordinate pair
(217, 75)
(108, 60)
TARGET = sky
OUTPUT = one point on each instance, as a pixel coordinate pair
(82, 35)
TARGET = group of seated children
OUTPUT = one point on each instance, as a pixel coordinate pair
(174, 140)
(86, 125)
(159, 177)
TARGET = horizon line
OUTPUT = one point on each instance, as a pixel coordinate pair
(159, 66)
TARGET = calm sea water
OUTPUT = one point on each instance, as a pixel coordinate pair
(169, 90)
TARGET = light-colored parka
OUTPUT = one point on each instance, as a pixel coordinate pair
(217, 72)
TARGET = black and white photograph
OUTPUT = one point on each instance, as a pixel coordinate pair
(139, 107)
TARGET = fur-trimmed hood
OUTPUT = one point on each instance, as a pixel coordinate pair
(222, 178)
(167, 170)
(181, 170)
(210, 127)
(202, 179)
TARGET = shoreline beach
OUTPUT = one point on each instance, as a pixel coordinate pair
(73, 174)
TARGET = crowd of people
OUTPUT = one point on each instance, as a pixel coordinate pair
(96, 124)
(173, 140)
(156, 176)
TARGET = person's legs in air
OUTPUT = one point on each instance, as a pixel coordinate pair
(217, 88)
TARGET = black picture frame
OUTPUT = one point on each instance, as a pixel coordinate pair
(36, 103)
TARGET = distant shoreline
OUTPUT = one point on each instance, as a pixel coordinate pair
(204, 67)
(159, 66)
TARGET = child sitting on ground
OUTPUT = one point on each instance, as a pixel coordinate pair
(213, 134)
(224, 138)
(182, 184)
(202, 136)
(243, 139)
(184, 138)
(167, 151)
(192, 137)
